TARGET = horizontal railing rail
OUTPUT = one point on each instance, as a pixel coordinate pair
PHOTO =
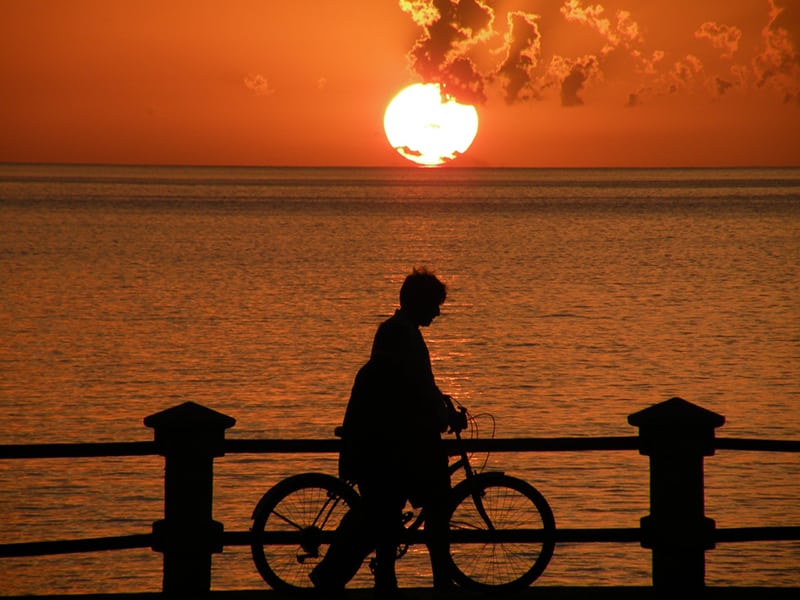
(118, 542)
(244, 538)
(559, 444)
(323, 446)
(82, 450)
(757, 445)
(174, 438)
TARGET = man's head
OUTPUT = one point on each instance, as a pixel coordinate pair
(421, 295)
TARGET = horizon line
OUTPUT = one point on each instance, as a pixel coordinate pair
(410, 167)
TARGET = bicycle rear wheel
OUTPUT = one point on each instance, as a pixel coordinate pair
(502, 533)
(292, 526)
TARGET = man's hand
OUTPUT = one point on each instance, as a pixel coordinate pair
(457, 419)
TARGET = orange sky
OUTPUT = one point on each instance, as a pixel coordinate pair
(268, 82)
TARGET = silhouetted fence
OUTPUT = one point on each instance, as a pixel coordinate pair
(676, 436)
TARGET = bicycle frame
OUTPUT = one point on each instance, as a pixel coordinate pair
(466, 465)
(469, 475)
(412, 524)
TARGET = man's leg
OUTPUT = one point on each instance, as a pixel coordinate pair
(351, 544)
(383, 507)
(437, 532)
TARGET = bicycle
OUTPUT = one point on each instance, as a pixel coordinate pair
(502, 529)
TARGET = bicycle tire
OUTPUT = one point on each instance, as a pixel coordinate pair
(512, 505)
(297, 513)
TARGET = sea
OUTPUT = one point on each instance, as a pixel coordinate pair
(576, 297)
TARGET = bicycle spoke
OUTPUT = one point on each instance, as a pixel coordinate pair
(501, 505)
(310, 506)
(287, 520)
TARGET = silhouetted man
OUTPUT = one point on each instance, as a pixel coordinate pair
(392, 445)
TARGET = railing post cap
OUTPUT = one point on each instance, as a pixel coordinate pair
(675, 412)
(189, 416)
(676, 427)
(189, 429)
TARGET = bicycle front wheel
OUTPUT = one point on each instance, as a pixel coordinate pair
(292, 526)
(502, 533)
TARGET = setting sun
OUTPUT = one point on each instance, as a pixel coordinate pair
(427, 129)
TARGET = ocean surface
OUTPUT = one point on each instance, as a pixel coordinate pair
(576, 298)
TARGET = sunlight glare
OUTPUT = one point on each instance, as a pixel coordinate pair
(426, 130)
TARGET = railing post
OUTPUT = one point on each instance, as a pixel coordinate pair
(188, 436)
(676, 435)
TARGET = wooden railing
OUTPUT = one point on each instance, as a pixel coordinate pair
(676, 436)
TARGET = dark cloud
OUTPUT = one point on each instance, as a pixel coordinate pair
(523, 50)
(723, 37)
(258, 84)
(573, 83)
(778, 63)
(449, 30)
(622, 32)
(458, 35)
(723, 86)
(684, 74)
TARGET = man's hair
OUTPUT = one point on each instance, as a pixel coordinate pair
(422, 288)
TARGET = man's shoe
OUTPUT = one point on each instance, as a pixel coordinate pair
(324, 590)
(444, 590)
(389, 593)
